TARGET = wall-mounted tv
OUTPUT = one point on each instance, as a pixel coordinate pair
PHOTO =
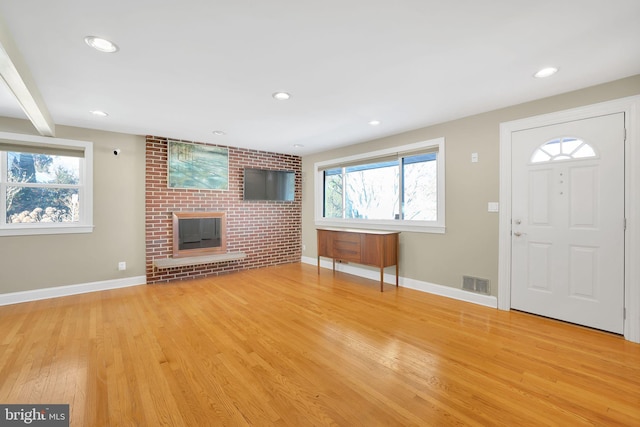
(262, 184)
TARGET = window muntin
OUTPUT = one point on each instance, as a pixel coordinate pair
(45, 185)
(568, 148)
(402, 190)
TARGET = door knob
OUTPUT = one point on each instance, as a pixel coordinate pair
(517, 233)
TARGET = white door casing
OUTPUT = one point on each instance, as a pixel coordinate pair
(568, 221)
(630, 106)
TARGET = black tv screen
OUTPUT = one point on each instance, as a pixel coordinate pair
(261, 184)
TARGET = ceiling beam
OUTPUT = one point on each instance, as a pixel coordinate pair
(18, 78)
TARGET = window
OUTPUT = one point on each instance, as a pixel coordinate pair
(45, 185)
(398, 189)
(563, 149)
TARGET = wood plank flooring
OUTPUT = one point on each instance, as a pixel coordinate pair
(283, 346)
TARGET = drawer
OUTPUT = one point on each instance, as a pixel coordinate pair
(346, 246)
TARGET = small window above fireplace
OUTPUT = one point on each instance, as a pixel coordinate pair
(199, 233)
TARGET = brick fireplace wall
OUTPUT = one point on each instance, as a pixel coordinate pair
(269, 232)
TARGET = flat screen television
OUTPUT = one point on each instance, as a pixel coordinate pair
(262, 184)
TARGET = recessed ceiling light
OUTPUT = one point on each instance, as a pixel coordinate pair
(219, 132)
(298, 146)
(99, 113)
(374, 122)
(100, 44)
(281, 96)
(545, 72)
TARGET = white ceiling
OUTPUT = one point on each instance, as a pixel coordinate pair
(186, 68)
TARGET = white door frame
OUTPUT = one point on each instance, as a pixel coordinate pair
(631, 107)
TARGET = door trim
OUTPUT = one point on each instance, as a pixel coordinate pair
(631, 107)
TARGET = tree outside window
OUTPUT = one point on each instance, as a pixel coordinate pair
(42, 188)
(404, 188)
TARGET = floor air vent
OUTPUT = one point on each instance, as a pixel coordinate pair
(476, 284)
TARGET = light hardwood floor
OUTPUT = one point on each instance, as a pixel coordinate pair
(284, 346)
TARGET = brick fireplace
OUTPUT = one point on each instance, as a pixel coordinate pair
(268, 232)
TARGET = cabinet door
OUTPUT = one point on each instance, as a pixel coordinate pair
(324, 243)
(372, 250)
(379, 249)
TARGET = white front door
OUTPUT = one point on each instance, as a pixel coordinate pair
(568, 222)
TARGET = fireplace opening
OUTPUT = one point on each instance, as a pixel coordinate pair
(198, 233)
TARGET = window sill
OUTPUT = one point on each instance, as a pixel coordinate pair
(33, 229)
(410, 226)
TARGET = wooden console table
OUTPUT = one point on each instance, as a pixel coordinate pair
(367, 247)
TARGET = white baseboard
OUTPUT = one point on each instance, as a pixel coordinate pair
(432, 288)
(446, 291)
(62, 291)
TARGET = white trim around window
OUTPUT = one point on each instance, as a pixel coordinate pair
(438, 226)
(83, 149)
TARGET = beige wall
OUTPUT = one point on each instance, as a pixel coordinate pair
(469, 247)
(470, 244)
(36, 262)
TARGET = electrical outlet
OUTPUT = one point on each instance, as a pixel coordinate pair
(304, 247)
(122, 266)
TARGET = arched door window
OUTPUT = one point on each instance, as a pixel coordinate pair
(567, 148)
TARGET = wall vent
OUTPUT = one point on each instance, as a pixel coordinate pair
(476, 284)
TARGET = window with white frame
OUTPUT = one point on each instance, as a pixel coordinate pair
(45, 185)
(398, 189)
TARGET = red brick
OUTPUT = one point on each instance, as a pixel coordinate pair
(269, 232)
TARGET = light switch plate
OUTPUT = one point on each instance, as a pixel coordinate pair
(493, 207)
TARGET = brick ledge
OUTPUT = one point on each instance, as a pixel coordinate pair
(164, 263)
